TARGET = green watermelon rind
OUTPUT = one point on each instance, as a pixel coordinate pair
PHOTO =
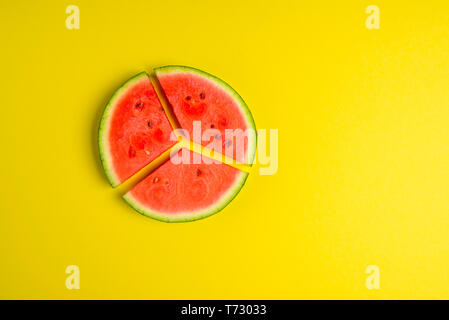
(226, 87)
(103, 129)
(190, 216)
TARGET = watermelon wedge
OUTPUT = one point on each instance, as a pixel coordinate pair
(134, 129)
(186, 192)
(195, 95)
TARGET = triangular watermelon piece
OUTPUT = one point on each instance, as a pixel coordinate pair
(134, 129)
(195, 95)
(181, 192)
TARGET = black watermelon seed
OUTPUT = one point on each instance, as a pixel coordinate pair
(188, 98)
(139, 106)
(212, 126)
(198, 172)
(202, 95)
(149, 123)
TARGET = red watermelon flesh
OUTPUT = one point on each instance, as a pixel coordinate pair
(134, 130)
(195, 95)
(186, 192)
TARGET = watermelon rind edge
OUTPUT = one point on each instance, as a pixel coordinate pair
(190, 216)
(225, 86)
(103, 129)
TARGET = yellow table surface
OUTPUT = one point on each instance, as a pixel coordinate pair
(363, 179)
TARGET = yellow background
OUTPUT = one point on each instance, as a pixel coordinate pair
(363, 173)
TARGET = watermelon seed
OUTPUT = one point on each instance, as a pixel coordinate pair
(139, 106)
(155, 180)
(202, 95)
(188, 98)
(131, 152)
(149, 124)
(212, 126)
(198, 172)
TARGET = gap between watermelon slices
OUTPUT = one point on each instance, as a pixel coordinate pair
(127, 185)
(165, 104)
(210, 153)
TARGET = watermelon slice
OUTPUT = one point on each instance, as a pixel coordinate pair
(134, 130)
(186, 192)
(195, 95)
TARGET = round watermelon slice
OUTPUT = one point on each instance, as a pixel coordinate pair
(195, 95)
(134, 129)
(186, 191)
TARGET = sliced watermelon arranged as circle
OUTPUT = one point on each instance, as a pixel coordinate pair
(135, 130)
